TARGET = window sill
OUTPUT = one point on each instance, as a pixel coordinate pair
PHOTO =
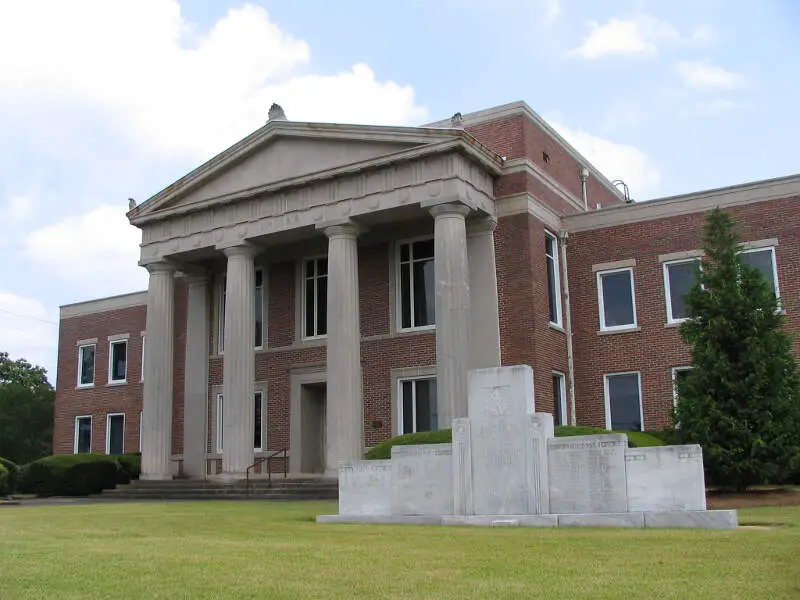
(557, 327)
(422, 329)
(84, 386)
(116, 383)
(614, 331)
(673, 324)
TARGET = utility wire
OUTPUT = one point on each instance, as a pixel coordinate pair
(8, 312)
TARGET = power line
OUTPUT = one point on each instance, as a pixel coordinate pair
(8, 312)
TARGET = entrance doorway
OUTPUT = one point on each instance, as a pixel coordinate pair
(312, 427)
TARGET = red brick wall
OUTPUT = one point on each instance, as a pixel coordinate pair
(656, 349)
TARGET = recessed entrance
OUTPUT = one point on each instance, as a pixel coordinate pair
(312, 427)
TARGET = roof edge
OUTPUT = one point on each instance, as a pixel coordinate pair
(98, 305)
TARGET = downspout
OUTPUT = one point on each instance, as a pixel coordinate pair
(564, 237)
(584, 178)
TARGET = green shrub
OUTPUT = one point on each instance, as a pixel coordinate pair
(130, 466)
(3, 480)
(71, 475)
(10, 485)
(636, 439)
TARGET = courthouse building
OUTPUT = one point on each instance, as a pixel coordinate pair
(317, 288)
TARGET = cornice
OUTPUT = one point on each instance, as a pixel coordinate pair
(528, 203)
(99, 305)
(526, 165)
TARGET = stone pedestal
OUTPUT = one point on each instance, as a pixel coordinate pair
(452, 310)
(344, 414)
(195, 385)
(158, 369)
(238, 362)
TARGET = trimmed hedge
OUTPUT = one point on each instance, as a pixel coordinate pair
(130, 466)
(636, 439)
(12, 477)
(72, 475)
(3, 479)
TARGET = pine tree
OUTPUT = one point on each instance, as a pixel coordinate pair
(741, 399)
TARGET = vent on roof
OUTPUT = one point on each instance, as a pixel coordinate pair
(276, 113)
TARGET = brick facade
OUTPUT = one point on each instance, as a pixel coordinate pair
(527, 336)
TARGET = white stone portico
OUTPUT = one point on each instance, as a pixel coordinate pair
(292, 183)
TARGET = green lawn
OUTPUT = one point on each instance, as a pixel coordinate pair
(269, 550)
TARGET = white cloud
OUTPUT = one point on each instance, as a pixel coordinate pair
(180, 91)
(99, 248)
(639, 36)
(553, 10)
(615, 161)
(707, 76)
(704, 34)
(18, 209)
(28, 330)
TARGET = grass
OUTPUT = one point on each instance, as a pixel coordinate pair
(269, 550)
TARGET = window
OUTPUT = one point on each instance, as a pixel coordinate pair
(259, 311)
(763, 259)
(560, 398)
(678, 373)
(117, 361)
(143, 341)
(315, 298)
(86, 365)
(679, 277)
(417, 292)
(115, 433)
(617, 302)
(553, 278)
(258, 422)
(623, 402)
(417, 410)
(83, 434)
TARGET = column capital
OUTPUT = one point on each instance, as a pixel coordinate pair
(342, 229)
(481, 225)
(450, 209)
(246, 250)
(161, 266)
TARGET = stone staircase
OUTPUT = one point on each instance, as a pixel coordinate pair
(289, 489)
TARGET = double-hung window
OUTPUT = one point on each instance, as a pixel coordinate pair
(679, 277)
(763, 259)
(616, 298)
(83, 434)
(416, 289)
(315, 298)
(258, 304)
(417, 410)
(553, 278)
(258, 422)
(86, 365)
(118, 361)
(623, 402)
(115, 433)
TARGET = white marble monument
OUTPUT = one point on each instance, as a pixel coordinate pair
(504, 467)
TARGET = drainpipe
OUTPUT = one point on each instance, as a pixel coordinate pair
(564, 237)
(584, 179)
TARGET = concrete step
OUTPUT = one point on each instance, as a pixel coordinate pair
(204, 496)
(307, 488)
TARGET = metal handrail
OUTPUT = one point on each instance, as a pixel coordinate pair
(266, 459)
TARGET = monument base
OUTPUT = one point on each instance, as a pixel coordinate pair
(699, 519)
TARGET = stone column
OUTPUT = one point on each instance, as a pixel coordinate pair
(238, 362)
(344, 426)
(158, 369)
(484, 349)
(452, 310)
(195, 390)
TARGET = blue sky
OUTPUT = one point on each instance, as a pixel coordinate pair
(102, 100)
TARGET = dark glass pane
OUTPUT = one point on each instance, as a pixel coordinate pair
(405, 295)
(322, 266)
(681, 279)
(623, 392)
(309, 308)
(322, 306)
(259, 278)
(84, 435)
(118, 360)
(404, 248)
(424, 293)
(551, 290)
(116, 433)
(309, 268)
(408, 410)
(557, 393)
(549, 245)
(427, 417)
(761, 260)
(257, 422)
(423, 249)
(618, 299)
(87, 365)
(259, 323)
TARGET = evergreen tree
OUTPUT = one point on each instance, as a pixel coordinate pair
(741, 399)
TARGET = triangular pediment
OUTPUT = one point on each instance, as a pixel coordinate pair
(283, 154)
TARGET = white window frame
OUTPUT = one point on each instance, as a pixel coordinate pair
(675, 371)
(774, 256)
(222, 299)
(75, 435)
(219, 423)
(400, 381)
(601, 303)
(304, 282)
(220, 417)
(667, 288)
(141, 414)
(144, 340)
(607, 397)
(557, 278)
(108, 430)
(562, 400)
(399, 286)
(80, 365)
(111, 345)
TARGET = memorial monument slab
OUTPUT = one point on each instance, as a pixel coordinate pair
(540, 429)
(365, 487)
(462, 468)
(587, 474)
(422, 479)
(666, 478)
